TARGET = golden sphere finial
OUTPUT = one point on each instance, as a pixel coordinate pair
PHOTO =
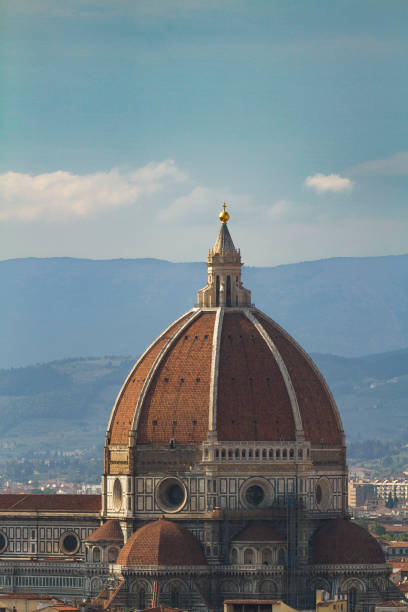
(224, 216)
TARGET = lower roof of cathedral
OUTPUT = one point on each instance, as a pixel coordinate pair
(341, 541)
(161, 542)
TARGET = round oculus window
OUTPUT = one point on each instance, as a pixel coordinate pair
(254, 495)
(117, 495)
(3, 542)
(171, 494)
(256, 492)
(69, 543)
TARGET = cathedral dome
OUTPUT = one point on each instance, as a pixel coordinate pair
(161, 542)
(233, 371)
(227, 372)
(341, 541)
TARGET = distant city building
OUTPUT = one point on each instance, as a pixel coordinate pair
(361, 494)
(396, 488)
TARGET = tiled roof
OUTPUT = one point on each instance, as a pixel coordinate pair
(124, 410)
(252, 400)
(254, 396)
(317, 407)
(161, 542)
(260, 531)
(108, 532)
(33, 596)
(176, 405)
(162, 609)
(339, 541)
(20, 502)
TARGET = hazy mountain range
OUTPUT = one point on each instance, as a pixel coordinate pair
(60, 307)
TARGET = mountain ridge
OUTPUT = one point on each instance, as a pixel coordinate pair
(54, 308)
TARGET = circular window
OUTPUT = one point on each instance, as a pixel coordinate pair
(69, 543)
(254, 495)
(171, 494)
(323, 496)
(3, 542)
(117, 495)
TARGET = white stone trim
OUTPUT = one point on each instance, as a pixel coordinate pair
(212, 413)
(300, 435)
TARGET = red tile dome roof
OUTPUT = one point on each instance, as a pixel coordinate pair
(161, 542)
(261, 531)
(265, 387)
(340, 541)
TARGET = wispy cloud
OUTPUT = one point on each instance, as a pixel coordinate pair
(322, 183)
(395, 165)
(62, 194)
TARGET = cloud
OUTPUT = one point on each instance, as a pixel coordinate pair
(62, 194)
(395, 165)
(196, 204)
(328, 182)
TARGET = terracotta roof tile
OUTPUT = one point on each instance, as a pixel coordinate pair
(339, 541)
(316, 406)
(261, 531)
(108, 532)
(176, 405)
(253, 403)
(124, 410)
(20, 502)
(161, 542)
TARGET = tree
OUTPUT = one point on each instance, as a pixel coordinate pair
(378, 529)
(390, 502)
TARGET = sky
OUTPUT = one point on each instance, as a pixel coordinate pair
(125, 125)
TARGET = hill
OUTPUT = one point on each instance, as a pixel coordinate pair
(61, 307)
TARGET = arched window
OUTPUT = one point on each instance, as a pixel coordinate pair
(266, 556)
(278, 454)
(249, 556)
(112, 555)
(237, 453)
(352, 599)
(284, 454)
(281, 557)
(141, 598)
(234, 556)
(271, 453)
(228, 296)
(217, 291)
(174, 597)
(96, 556)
